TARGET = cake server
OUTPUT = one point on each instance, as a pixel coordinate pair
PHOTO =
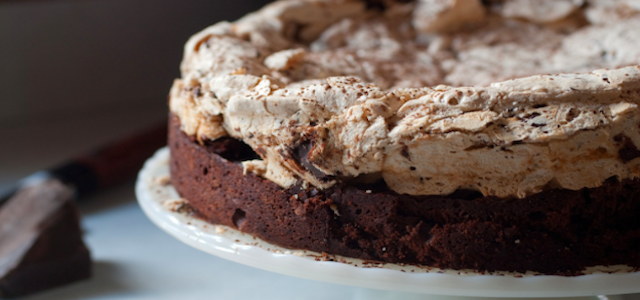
(41, 242)
(102, 168)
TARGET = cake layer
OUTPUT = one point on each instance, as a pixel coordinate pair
(267, 79)
(553, 232)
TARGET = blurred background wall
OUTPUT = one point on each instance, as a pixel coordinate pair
(77, 73)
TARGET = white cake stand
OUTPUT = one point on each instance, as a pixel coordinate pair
(162, 205)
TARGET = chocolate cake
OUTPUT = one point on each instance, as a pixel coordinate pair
(336, 126)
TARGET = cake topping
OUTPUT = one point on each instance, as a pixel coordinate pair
(330, 90)
(443, 16)
(540, 11)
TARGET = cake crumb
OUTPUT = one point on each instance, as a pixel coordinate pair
(285, 59)
(255, 166)
(335, 209)
(179, 205)
(163, 180)
(220, 230)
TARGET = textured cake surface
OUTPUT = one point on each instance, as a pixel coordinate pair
(552, 232)
(334, 91)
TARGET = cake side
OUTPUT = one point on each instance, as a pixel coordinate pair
(552, 232)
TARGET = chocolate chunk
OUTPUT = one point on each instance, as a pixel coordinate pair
(301, 153)
(628, 150)
(40, 240)
(405, 152)
(231, 149)
(383, 4)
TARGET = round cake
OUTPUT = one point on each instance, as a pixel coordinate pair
(419, 132)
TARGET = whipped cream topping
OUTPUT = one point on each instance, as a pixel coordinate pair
(330, 91)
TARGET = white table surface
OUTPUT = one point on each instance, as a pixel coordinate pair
(133, 259)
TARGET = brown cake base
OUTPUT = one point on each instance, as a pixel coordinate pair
(553, 232)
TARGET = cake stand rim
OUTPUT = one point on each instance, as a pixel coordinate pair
(217, 240)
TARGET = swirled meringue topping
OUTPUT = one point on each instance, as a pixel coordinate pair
(340, 90)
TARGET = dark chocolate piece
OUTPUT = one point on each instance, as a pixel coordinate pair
(301, 155)
(628, 151)
(552, 232)
(40, 240)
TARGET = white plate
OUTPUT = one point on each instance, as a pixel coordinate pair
(158, 201)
